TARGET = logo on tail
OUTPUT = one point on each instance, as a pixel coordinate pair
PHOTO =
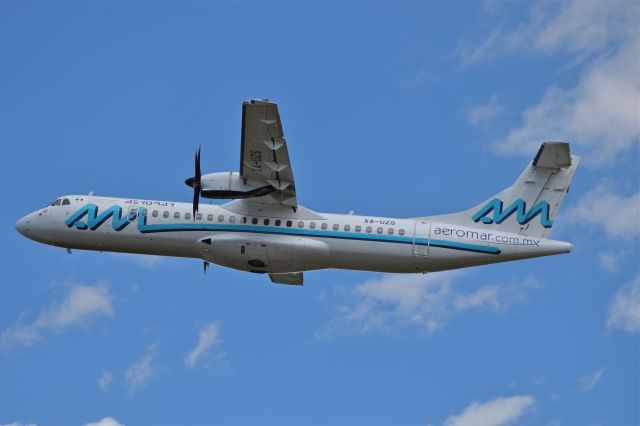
(520, 206)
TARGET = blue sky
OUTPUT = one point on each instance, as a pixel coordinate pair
(389, 109)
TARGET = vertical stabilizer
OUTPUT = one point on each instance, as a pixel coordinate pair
(530, 205)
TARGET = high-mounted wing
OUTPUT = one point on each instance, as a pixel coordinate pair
(264, 156)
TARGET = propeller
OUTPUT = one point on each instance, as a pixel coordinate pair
(195, 183)
(206, 265)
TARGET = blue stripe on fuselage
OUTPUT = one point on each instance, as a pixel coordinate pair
(144, 228)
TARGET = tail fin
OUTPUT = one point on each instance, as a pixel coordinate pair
(530, 205)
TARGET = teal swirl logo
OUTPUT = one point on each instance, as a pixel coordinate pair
(88, 218)
(519, 207)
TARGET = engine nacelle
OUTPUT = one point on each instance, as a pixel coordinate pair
(265, 253)
(230, 185)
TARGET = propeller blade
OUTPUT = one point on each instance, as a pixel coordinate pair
(196, 202)
(198, 175)
(196, 183)
(206, 265)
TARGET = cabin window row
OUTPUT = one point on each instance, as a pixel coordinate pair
(279, 222)
(176, 215)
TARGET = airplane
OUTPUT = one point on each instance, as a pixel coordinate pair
(264, 229)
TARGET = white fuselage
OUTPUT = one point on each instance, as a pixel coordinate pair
(268, 243)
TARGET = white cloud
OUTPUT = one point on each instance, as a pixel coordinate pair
(618, 215)
(624, 310)
(609, 261)
(469, 55)
(420, 78)
(580, 26)
(19, 424)
(107, 421)
(81, 304)
(589, 381)
(105, 380)
(208, 337)
(485, 113)
(600, 114)
(497, 412)
(576, 26)
(144, 260)
(142, 371)
(406, 300)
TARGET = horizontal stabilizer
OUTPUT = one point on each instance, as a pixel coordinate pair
(294, 278)
(553, 155)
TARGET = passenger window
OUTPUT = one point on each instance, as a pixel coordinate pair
(243, 219)
(324, 225)
(368, 229)
(57, 202)
(266, 221)
(401, 231)
(379, 230)
(347, 227)
(187, 216)
(143, 212)
(301, 224)
(312, 225)
(66, 202)
(336, 226)
(289, 223)
(254, 220)
(176, 215)
(209, 217)
(278, 222)
(358, 228)
(390, 231)
(154, 213)
(165, 214)
(199, 216)
(232, 219)
(220, 218)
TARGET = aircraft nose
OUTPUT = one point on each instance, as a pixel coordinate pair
(22, 225)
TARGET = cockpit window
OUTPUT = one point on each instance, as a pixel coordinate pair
(57, 202)
(65, 202)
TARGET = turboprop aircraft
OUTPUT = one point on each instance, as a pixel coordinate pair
(265, 230)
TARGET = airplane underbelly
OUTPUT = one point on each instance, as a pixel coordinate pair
(374, 256)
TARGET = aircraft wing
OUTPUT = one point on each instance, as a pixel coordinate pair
(264, 156)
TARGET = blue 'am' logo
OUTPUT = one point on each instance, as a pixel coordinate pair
(93, 220)
(520, 206)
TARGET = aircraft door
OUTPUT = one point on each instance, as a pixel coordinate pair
(421, 239)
